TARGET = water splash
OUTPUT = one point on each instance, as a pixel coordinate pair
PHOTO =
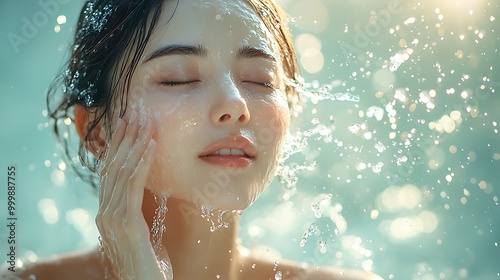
(322, 246)
(158, 222)
(79, 85)
(278, 275)
(95, 18)
(157, 231)
(315, 206)
(297, 141)
(102, 258)
(101, 248)
(294, 143)
(288, 177)
(313, 229)
(399, 58)
(207, 212)
(220, 223)
(316, 92)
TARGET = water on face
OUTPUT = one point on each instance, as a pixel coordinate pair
(410, 163)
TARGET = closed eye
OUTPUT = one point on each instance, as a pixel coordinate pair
(177, 83)
(265, 84)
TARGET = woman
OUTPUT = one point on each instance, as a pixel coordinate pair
(187, 102)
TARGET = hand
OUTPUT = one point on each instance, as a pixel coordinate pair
(125, 235)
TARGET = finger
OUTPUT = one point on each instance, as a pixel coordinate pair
(147, 130)
(116, 161)
(117, 137)
(139, 179)
(123, 188)
(129, 211)
(131, 165)
(128, 222)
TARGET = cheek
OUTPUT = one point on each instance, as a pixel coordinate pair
(175, 136)
(274, 121)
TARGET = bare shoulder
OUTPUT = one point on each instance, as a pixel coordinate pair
(267, 268)
(77, 265)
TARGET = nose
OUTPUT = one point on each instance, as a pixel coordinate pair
(230, 107)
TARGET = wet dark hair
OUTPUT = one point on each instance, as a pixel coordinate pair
(110, 39)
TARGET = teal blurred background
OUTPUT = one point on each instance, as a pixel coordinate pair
(406, 179)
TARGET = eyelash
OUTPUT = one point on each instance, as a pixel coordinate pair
(175, 83)
(268, 85)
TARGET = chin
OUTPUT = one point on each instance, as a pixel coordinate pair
(217, 188)
(231, 197)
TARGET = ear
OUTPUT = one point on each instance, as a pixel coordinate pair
(96, 141)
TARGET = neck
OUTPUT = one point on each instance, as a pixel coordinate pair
(195, 251)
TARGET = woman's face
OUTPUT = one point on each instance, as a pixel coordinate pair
(211, 79)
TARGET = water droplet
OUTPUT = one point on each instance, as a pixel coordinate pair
(94, 18)
(101, 249)
(207, 213)
(313, 229)
(157, 231)
(315, 206)
(315, 121)
(355, 128)
(316, 93)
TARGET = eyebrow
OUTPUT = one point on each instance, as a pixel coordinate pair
(201, 51)
(197, 50)
(252, 52)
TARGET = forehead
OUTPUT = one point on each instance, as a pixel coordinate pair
(222, 6)
(224, 24)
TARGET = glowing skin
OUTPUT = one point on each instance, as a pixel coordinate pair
(208, 90)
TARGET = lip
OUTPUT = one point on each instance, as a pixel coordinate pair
(230, 142)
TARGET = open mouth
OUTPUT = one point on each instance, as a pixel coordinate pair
(231, 151)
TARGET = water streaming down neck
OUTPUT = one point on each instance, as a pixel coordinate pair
(157, 231)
